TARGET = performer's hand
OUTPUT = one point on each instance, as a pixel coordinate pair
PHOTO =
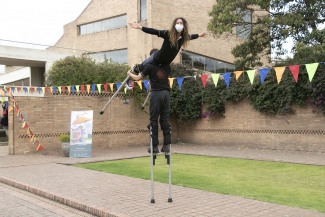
(129, 73)
(203, 34)
(135, 25)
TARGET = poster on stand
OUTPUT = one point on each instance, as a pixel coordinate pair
(81, 130)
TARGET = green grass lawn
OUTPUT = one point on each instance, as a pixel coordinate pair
(282, 183)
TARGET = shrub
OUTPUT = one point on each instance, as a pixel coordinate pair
(65, 138)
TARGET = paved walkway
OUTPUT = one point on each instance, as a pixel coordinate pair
(106, 194)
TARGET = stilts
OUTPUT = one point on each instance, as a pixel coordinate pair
(153, 159)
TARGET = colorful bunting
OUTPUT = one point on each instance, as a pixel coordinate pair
(171, 81)
(295, 71)
(204, 80)
(238, 74)
(180, 82)
(311, 69)
(263, 74)
(279, 72)
(215, 78)
(146, 85)
(251, 75)
(111, 86)
(226, 77)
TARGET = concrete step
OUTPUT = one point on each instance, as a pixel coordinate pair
(3, 143)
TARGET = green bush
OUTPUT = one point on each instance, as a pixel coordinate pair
(65, 138)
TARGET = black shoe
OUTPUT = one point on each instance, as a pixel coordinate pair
(165, 149)
(137, 68)
(155, 150)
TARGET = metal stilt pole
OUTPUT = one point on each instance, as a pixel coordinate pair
(169, 162)
(152, 164)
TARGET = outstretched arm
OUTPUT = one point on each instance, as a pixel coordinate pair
(135, 25)
(203, 34)
(195, 36)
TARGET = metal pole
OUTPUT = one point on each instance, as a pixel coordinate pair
(170, 174)
(145, 101)
(152, 163)
(122, 85)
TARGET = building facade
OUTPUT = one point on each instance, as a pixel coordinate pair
(102, 29)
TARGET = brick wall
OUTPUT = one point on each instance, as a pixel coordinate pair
(245, 127)
(121, 125)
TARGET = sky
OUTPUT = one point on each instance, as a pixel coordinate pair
(36, 21)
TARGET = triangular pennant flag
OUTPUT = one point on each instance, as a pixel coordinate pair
(16, 89)
(279, 72)
(38, 90)
(171, 81)
(25, 89)
(54, 89)
(77, 88)
(82, 88)
(311, 69)
(204, 80)
(146, 85)
(46, 89)
(125, 89)
(60, 89)
(88, 88)
(63, 89)
(215, 79)
(10, 108)
(69, 89)
(226, 77)
(28, 131)
(51, 89)
(180, 82)
(93, 88)
(140, 84)
(111, 86)
(118, 84)
(194, 77)
(31, 89)
(295, 71)
(12, 89)
(3, 100)
(31, 139)
(238, 74)
(36, 143)
(99, 88)
(43, 89)
(263, 74)
(105, 87)
(39, 147)
(72, 89)
(2, 92)
(251, 75)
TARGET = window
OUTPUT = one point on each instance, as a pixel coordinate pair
(205, 63)
(117, 56)
(244, 30)
(143, 10)
(103, 25)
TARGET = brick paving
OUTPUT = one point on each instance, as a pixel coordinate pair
(106, 194)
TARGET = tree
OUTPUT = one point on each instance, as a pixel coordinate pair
(300, 20)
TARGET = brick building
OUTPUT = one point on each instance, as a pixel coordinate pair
(102, 28)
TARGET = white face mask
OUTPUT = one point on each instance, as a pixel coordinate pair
(179, 27)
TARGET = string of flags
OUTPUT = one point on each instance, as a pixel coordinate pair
(91, 88)
(33, 138)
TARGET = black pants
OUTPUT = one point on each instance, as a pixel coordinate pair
(160, 109)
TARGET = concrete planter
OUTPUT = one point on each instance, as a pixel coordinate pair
(66, 148)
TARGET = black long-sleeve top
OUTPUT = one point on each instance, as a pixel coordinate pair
(166, 54)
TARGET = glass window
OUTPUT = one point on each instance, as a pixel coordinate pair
(243, 31)
(122, 20)
(90, 28)
(143, 10)
(205, 63)
(98, 26)
(105, 25)
(123, 56)
(114, 23)
(82, 29)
